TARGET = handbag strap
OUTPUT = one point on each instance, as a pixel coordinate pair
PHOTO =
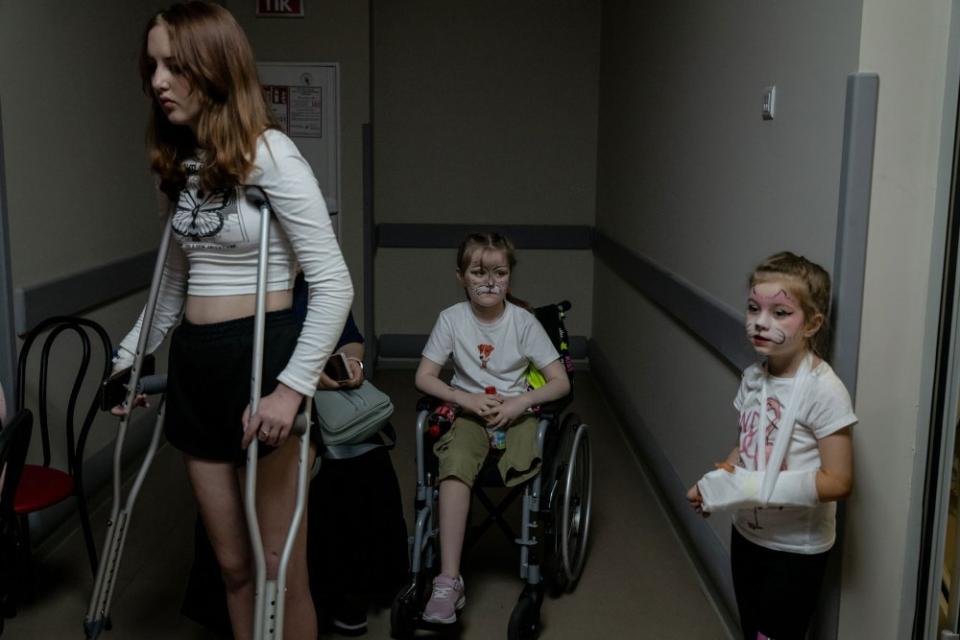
(347, 451)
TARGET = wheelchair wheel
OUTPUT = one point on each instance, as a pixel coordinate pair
(525, 619)
(575, 505)
(557, 453)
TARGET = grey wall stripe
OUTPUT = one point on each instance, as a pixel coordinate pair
(859, 132)
(849, 267)
(717, 324)
(83, 291)
(410, 345)
(443, 236)
(401, 345)
(100, 285)
(8, 343)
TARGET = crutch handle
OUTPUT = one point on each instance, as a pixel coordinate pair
(256, 196)
(300, 425)
(151, 385)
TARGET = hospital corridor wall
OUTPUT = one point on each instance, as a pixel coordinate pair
(700, 188)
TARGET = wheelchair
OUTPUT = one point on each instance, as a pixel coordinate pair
(555, 508)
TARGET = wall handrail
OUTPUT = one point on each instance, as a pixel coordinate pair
(77, 293)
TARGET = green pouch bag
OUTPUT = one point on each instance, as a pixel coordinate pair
(350, 416)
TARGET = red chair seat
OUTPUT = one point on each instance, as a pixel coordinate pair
(41, 487)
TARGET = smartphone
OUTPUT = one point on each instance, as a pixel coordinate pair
(337, 368)
(113, 390)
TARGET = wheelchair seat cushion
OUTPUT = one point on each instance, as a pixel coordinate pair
(463, 449)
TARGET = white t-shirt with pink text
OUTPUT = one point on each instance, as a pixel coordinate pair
(824, 408)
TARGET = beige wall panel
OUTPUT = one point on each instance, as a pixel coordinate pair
(79, 192)
(486, 113)
(689, 174)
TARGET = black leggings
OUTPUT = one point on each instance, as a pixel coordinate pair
(777, 591)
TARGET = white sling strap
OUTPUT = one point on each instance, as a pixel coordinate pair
(784, 429)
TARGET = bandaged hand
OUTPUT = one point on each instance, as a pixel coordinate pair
(722, 490)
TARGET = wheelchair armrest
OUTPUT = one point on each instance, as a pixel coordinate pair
(552, 410)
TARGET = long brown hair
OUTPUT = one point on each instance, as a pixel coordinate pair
(813, 291)
(215, 57)
(488, 241)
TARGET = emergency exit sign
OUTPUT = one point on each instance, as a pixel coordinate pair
(280, 8)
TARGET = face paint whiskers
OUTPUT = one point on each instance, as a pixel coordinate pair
(488, 289)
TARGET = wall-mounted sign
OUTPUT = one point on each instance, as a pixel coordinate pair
(280, 8)
(298, 110)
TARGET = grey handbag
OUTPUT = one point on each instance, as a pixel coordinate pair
(350, 416)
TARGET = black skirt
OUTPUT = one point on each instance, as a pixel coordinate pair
(208, 382)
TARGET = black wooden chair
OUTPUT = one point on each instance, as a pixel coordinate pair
(42, 485)
(14, 442)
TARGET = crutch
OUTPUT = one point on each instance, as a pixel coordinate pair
(269, 609)
(98, 612)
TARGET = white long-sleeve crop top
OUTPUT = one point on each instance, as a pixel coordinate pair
(214, 251)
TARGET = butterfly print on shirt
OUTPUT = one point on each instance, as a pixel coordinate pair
(200, 215)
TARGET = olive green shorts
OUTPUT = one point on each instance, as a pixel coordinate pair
(463, 449)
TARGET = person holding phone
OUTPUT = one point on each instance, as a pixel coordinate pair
(357, 548)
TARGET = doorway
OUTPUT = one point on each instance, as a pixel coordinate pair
(938, 587)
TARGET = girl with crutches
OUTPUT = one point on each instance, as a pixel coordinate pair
(210, 138)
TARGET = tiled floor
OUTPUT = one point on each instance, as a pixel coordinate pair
(638, 583)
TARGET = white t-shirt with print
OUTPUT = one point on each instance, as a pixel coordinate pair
(824, 408)
(494, 354)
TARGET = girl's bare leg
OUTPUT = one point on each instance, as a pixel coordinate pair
(454, 507)
(219, 499)
(276, 499)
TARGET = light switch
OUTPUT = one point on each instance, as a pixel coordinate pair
(769, 102)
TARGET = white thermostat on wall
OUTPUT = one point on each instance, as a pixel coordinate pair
(769, 101)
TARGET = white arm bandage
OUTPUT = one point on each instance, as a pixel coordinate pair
(722, 490)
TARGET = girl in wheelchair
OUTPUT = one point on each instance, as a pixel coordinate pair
(492, 342)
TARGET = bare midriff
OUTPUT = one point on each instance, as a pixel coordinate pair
(212, 309)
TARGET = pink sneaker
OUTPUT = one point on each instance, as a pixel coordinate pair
(447, 598)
